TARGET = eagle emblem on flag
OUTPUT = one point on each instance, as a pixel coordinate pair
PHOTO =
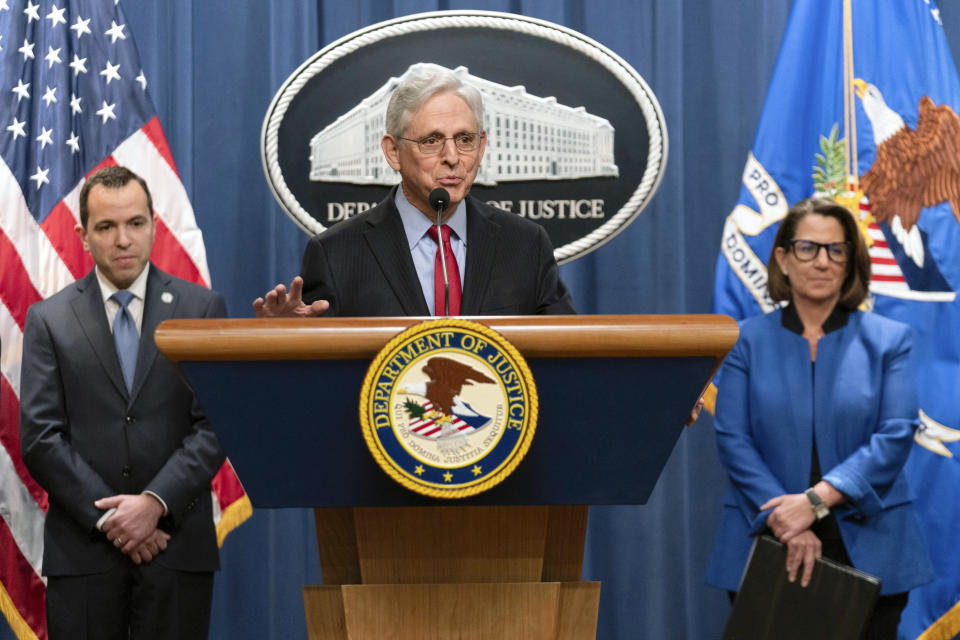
(913, 168)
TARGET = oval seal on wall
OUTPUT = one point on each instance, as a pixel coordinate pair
(575, 138)
(448, 408)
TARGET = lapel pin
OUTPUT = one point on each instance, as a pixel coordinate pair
(167, 297)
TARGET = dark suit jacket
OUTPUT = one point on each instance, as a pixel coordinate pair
(363, 267)
(84, 437)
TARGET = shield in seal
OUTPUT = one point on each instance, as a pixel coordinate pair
(448, 408)
(576, 139)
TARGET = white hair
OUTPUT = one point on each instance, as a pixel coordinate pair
(422, 85)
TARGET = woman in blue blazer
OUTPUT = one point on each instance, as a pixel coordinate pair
(815, 418)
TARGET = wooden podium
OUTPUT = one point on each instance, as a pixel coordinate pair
(614, 391)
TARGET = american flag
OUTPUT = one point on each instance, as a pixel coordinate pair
(73, 98)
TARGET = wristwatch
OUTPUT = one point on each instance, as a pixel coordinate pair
(820, 508)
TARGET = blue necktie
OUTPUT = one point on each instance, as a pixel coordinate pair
(125, 337)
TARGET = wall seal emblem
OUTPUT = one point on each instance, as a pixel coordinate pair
(576, 140)
(448, 408)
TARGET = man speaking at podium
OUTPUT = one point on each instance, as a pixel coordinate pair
(388, 260)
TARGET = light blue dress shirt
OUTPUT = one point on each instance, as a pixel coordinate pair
(423, 249)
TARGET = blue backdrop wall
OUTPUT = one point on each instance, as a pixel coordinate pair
(213, 67)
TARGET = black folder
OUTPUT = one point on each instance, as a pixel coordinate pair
(834, 606)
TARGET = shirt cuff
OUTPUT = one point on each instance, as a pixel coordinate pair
(159, 499)
(106, 516)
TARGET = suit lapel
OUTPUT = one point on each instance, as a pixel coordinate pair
(388, 243)
(481, 253)
(796, 360)
(159, 305)
(92, 318)
(826, 389)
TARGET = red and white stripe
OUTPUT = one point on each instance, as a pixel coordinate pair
(886, 277)
(430, 429)
(36, 261)
(884, 269)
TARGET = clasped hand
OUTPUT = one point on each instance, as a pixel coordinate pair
(790, 521)
(277, 303)
(132, 528)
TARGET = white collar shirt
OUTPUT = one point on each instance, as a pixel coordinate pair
(138, 289)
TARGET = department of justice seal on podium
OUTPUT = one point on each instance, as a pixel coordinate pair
(448, 408)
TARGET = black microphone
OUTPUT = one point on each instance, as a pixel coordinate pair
(439, 200)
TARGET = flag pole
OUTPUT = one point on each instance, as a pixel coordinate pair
(849, 103)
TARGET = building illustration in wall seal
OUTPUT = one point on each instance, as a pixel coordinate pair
(529, 138)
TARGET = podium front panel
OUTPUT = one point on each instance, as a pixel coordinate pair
(605, 430)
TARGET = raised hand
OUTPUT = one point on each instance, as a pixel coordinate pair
(277, 303)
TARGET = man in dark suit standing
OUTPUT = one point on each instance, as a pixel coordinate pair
(115, 437)
(386, 261)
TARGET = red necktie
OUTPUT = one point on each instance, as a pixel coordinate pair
(453, 273)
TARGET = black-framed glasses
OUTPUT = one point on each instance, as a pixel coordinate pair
(433, 144)
(807, 250)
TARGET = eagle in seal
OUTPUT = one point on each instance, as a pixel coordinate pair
(913, 169)
(447, 377)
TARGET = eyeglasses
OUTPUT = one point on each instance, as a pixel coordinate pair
(433, 144)
(807, 250)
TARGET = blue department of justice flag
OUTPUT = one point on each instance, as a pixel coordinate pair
(862, 107)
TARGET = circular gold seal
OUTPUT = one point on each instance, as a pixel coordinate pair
(448, 408)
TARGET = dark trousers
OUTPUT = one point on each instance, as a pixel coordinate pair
(885, 619)
(130, 602)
